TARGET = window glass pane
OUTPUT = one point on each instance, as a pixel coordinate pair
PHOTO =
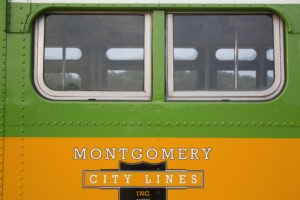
(243, 54)
(73, 53)
(105, 51)
(270, 74)
(224, 44)
(56, 53)
(130, 79)
(54, 81)
(53, 53)
(270, 54)
(125, 54)
(185, 54)
(185, 80)
(246, 80)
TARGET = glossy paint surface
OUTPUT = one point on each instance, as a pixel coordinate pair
(255, 144)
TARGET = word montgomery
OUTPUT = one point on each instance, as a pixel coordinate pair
(140, 153)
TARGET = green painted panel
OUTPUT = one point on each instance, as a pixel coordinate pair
(28, 114)
(18, 75)
(21, 13)
(17, 17)
(3, 7)
(25, 106)
(3, 44)
(2, 63)
(158, 55)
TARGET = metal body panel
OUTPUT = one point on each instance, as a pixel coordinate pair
(163, 1)
(255, 145)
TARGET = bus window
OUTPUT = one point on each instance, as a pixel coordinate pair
(235, 57)
(101, 56)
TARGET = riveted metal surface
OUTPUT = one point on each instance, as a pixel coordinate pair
(26, 108)
(20, 68)
(17, 22)
(289, 12)
(2, 65)
(3, 42)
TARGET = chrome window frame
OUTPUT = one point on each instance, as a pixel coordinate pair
(45, 91)
(263, 95)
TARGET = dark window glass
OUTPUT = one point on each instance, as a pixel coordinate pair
(234, 52)
(94, 52)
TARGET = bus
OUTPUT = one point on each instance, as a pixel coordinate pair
(149, 99)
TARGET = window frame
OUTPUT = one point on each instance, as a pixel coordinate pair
(44, 90)
(263, 95)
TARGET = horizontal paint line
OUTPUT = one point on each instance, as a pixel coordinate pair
(136, 125)
(161, 1)
(76, 132)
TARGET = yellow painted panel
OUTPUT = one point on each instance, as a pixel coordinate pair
(52, 168)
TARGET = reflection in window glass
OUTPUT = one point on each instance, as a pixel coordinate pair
(246, 80)
(132, 79)
(138, 54)
(243, 54)
(270, 74)
(53, 53)
(232, 52)
(185, 80)
(56, 53)
(185, 54)
(270, 55)
(106, 51)
(73, 54)
(125, 54)
(54, 80)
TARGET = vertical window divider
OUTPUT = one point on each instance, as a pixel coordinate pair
(158, 54)
(63, 67)
(170, 55)
(147, 55)
(236, 59)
